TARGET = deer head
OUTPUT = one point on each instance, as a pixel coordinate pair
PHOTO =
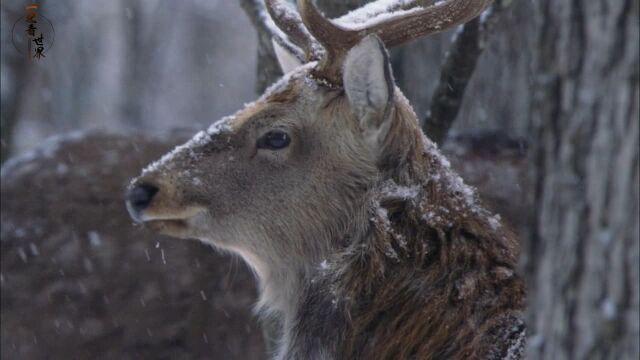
(290, 177)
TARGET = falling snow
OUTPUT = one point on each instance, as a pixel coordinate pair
(94, 238)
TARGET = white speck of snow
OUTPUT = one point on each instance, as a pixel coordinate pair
(203, 295)
(164, 260)
(61, 169)
(196, 181)
(142, 302)
(605, 236)
(609, 309)
(146, 253)
(94, 238)
(22, 254)
(205, 338)
(382, 212)
(157, 244)
(324, 265)
(494, 221)
(88, 264)
(34, 249)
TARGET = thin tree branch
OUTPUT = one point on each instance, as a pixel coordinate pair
(268, 69)
(460, 62)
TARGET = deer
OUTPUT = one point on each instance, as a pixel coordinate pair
(364, 242)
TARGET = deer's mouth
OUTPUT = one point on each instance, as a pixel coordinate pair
(170, 227)
(180, 225)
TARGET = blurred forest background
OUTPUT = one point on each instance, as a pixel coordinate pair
(547, 129)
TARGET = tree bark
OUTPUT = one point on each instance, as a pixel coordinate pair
(583, 253)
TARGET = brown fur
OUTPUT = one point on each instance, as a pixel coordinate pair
(350, 263)
(439, 288)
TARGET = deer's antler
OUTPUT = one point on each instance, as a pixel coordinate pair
(311, 27)
(289, 21)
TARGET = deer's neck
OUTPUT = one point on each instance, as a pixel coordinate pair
(290, 286)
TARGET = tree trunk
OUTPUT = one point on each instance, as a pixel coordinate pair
(583, 253)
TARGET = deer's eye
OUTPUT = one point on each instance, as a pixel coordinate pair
(274, 140)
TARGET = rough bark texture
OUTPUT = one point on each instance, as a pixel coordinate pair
(583, 254)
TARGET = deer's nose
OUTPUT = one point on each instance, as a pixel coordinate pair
(138, 198)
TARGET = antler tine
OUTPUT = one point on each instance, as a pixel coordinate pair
(396, 30)
(429, 20)
(335, 39)
(291, 24)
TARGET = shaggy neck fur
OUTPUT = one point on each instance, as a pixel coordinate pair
(410, 271)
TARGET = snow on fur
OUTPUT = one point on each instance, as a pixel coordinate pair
(202, 138)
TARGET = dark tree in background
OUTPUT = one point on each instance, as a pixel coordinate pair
(584, 117)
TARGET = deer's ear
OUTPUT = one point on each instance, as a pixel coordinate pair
(287, 60)
(369, 85)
